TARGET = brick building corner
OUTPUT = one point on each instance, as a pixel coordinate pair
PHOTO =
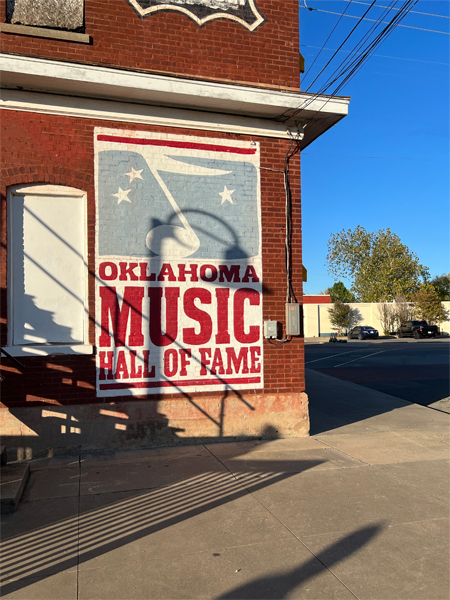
(151, 222)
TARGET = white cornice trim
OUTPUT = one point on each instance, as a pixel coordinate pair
(118, 84)
(107, 110)
(226, 104)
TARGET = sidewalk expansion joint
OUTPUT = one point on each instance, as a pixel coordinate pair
(284, 525)
(412, 485)
(363, 463)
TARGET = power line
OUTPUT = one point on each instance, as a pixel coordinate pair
(431, 62)
(340, 70)
(375, 21)
(351, 69)
(351, 32)
(332, 31)
(352, 66)
(411, 11)
(359, 62)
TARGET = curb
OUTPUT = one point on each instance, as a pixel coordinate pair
(14, 478)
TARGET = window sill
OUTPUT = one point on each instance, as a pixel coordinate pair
(55, 34)
(49, 350)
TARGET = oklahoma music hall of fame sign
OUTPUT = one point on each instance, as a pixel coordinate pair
(244, 12)
(178, 264)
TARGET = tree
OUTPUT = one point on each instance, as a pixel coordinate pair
(404, 310)
(388, 317)
(338, 291)
(441, 284)
(428, 306)
(379, 265)
(343, 316)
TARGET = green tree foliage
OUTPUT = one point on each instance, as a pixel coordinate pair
(380, 266)
(441, 284)
(343, 316)
(428, 306)
(338, 291)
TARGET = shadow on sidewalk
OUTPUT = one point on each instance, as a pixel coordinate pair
(279, 586)
(352, 391)
(334, 404)
(40, 545)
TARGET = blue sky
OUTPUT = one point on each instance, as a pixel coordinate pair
(387, 163)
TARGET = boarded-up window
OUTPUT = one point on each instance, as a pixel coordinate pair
(54, 14)
(47, 266)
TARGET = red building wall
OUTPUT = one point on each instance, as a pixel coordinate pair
(169, 42)
(308, 299)
(40, 148)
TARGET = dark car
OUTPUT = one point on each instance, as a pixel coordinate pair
(362, 332)
(417, 329)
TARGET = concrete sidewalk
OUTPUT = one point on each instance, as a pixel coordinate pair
(359, 510)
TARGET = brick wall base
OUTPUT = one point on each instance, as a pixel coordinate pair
(37, 432)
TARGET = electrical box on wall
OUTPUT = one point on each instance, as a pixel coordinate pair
(270, 329)
(292, 319)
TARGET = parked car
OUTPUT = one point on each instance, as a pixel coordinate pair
(417, 329)
(363, 332)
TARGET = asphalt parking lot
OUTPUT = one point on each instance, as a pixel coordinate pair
(413, 370)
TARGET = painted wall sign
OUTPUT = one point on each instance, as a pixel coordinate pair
(244, 12)
(178, 264)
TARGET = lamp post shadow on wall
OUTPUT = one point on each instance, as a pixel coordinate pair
(60, 418)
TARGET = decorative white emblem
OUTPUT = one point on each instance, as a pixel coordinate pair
(243, 12)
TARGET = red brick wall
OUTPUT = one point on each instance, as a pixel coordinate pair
(170, 42)
(316, 299)
(59, 150)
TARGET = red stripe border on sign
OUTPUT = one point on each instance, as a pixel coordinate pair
(173, 144)
(180, 383)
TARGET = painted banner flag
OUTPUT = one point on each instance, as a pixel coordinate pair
(178, 264)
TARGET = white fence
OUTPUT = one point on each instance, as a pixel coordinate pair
(316, 319)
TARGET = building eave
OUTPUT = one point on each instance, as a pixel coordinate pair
(311, 114)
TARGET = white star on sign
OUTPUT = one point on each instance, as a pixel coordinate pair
(226, 195)
(133, 174)
(122, 195)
